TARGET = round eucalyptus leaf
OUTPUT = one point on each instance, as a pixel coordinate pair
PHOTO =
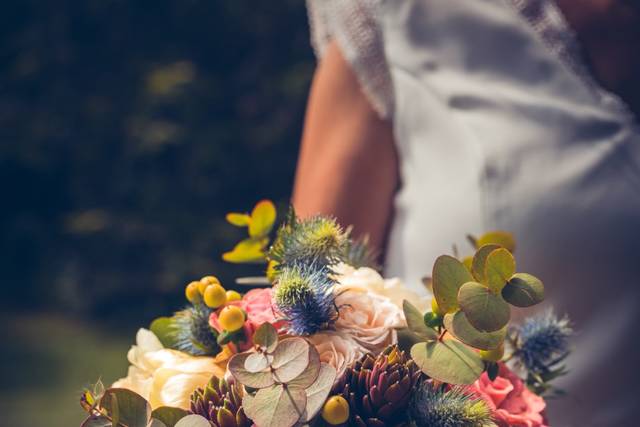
(318, 391)
(499, 268)
(193, 421)
(416, 323)
(449, 361)
(249, 379)
(168, 415)
(448, 275)
(479, 261)
(485, 310)
(266, 336)
(126, 407)
(501, 238)
(290, 359)
(523, 290)
(310, 374)
(276, 406)
(458, 325)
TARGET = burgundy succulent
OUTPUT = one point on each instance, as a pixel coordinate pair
(220, 403)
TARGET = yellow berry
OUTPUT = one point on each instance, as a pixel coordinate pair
(494, 355)
(215, 296)
(192, 293)
(206, 281)
(231, 318)
(335, 410)
(233, 296)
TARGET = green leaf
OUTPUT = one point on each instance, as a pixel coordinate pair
(162, 328)
(276, 406)
(523, 290)
(257, 362)
(415, 322)
(250, 379)
(290, 359)
(238, 219)
(407, 339)
(169, 416)
(97, 421)
(480, 260)
(247, 251)
(485, 310)
(448, 275)
(193, 421)
(131, 409)
(263, 217)
(500, 238)
(317, 393)
(499, 268)
(266, 336)
(310, 374)
(458, 325)
(448, 361)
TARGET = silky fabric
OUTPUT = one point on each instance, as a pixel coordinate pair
(495, 131)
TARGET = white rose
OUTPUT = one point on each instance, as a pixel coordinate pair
(336, 349)
(370, 280)
(163, 376)
(368, 318)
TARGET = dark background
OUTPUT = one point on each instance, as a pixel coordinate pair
(128, 129)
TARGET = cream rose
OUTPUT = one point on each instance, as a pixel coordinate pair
(336, 349)
(370, 280)
(163, 376)
(369, 318)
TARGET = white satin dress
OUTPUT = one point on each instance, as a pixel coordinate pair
(499, 125)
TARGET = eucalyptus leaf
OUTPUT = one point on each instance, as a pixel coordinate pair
(485, 310)
(480, 260)
(501, 238)
(249, 379)
(317, 393)
(193, 421)
(156, 423)
(97, 421)
(310, 374)
(290, 359)
(449, 275)
(247, 251)
(415, 322)
(263, 217)
(448, 361)
(458, 325)
(168, 415)
(276, 406)
(407, 339)
(238, 219)
(499, 268)
(257, 362)
(162, 327)
(266, 336)
(132, 409)
(523, 290)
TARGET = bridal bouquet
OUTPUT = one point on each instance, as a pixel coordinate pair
(327, 341)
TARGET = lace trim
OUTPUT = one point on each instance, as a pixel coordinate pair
(354, 25)
(546, 18)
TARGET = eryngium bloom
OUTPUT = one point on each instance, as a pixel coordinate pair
(192, 333)
(220, 403)
(435, 406)
(542, 342)
(304, 294)
(378, 389)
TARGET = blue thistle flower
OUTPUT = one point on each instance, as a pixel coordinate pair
(434, 406)
(319, 240)
(542, 342)
(304, 294)
(191, 332)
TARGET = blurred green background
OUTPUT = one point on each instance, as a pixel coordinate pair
(128, 129)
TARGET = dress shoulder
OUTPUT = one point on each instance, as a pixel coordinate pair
(354, 25)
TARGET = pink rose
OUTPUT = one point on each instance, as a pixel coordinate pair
(258, 305)
(513, 404)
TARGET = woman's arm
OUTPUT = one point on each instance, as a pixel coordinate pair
(348, 164)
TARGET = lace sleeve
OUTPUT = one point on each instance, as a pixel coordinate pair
(354, 26)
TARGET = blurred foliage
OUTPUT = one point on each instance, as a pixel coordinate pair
(128, 129)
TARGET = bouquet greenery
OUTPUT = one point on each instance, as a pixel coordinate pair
(325, 340)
